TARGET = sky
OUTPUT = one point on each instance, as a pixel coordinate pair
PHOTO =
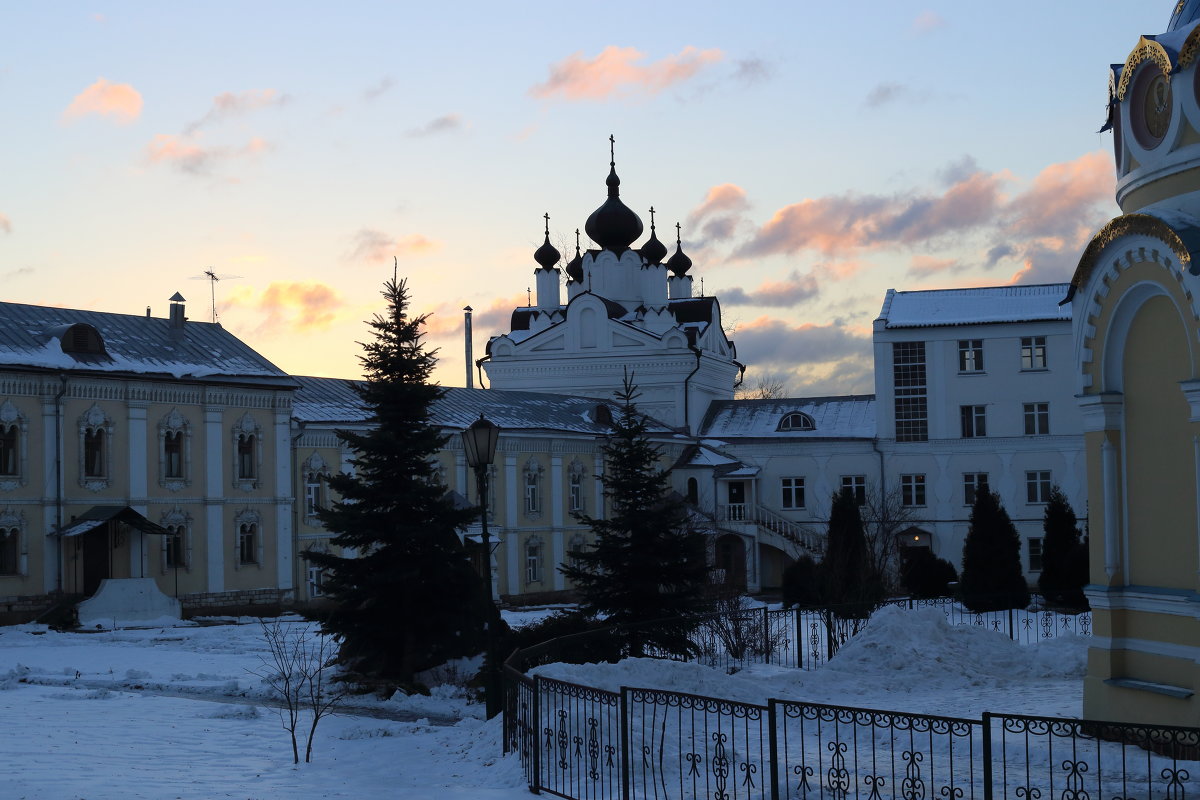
(814, 154)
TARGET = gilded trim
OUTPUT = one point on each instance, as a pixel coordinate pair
(1128, 225)
(1146, 50)
(1191, 47)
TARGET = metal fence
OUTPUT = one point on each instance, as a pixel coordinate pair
(585, 743)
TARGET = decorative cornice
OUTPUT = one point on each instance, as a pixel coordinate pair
(1128, 225)
(1146, 50)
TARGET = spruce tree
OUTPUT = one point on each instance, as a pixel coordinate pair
(404, 595)
(848, 580)
(1060, 581)
(991, 566)
(647, 562)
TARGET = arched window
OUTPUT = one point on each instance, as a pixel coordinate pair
(533, 488)
(95, 435)
(13, 553)
(249, 539)
(577, 545)
(12, 447)
(174, 451)
(575, 493)
(693, 491)
(315, 472)
(177, 545)
(533, 559)
(247, 452)
(797, 421)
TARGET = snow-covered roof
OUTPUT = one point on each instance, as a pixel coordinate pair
(841, 417)
(981, 305)
(333, 400)
(31, 336)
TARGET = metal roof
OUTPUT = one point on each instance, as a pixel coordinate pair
(334, 400)
(31, 336)
(840, 417)
(975, 306)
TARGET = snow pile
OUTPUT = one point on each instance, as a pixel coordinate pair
(911, 661)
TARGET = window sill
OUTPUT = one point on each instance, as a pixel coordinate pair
(1036, 369)
(964, 374)
(1177, 692)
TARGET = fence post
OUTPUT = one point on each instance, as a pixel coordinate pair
(536, 742)
(1012, 631)
(987, 755)
(766, 636)
(506, 699)
(624, 743)
(774, 745)
(799, 627)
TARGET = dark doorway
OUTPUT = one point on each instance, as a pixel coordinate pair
(731, 559)
(95, 559)
(737, 492)
(693, 491)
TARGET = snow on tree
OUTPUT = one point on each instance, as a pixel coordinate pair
(647, 562)
(405, 597)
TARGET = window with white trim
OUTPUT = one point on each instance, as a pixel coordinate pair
(857, 486)
(970, 355)
(533, 488)
(247, 452)
(973, 483)
(797, 421)
(248, 527)
(533, 559)
(575, 493)
(316, 578)
(174, 451)
(974, 421)
(578, 544)
(315, 472)
(1033, 352)
(912, 490)
(1037, 418)
(13, 429)
(95, 445)
(1037, 486)
(13, 545)
(1035, 554)
(792, 492)
(911, 402)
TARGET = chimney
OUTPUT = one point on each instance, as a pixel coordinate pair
(470, 350)
(147, 312)
(177, 317)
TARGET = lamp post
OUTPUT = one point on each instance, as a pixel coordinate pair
(479, 442)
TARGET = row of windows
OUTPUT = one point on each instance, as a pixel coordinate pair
(176, 546)
(912, 488)
(1036, 417)
(1033, 354)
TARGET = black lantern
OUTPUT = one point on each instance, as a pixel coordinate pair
(479, 442)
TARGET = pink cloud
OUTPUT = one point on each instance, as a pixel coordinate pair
(791, 291)
(923, 266)
(927, 21)
(446, 319)
(187, 155)
(615, 72)
(375, 246)
(5, 224)
(299, 306)
(232, 104)
(119, 101)
(1060, 196)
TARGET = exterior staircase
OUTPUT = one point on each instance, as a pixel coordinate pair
(771, 527)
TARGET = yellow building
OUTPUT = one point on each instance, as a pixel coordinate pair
(1137, 331)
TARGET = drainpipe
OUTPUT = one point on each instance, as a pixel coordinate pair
(479, 367)
(686, 419)
(882, 474)
(58, 470)
(296, 504)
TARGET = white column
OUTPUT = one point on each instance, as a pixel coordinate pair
(284, 544)
(50, 454)
(214, 493)
(140, 465)
(557, 555)
(511, 545)
(1112, 528)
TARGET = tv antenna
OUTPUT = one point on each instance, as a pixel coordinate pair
(212, 279)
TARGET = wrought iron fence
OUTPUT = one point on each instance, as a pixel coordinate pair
(585, 743)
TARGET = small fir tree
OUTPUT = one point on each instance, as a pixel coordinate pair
(991, 566)
(647, 562)
(1060, 582)
(848, 579)
(405, 597)
(925, 575)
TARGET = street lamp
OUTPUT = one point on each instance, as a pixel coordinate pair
(479, 442)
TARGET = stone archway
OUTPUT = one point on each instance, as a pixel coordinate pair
(731, 560)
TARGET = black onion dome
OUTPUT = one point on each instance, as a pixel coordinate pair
(575, 267)
(653, 250)
(679, 263)
(547, 255)
(613, 225)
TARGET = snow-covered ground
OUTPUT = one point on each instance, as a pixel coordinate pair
(177, 712)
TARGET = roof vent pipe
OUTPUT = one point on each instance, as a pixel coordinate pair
(469, 350)
(177, 317)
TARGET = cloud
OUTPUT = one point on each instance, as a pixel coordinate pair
(5, 224)
(923, 266)
(791, 291)
(378, 90)
(446, 319)
(231, 104)
(18, 273)
(847, 223)
(885, 93)
(720, 214)
(298, 306)
(375, 246)
(994, 254)
(119, 101)
(927, 21)
(443, 124)
(187, 155)
(615, 73)
(1058, 199)
(750, 71)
